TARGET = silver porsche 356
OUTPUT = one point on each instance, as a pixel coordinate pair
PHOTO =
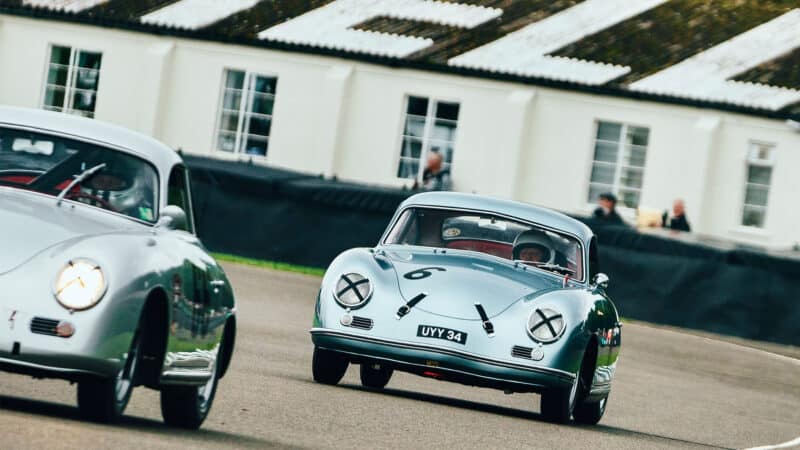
(103, 280)
(479, 291)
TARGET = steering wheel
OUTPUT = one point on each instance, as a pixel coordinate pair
(93, 199)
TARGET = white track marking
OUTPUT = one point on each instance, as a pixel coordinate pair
(782, 358)
(524, 52)
(64, 5)
(792, 443)
(329, 26)
(194, 14)
(705, 76)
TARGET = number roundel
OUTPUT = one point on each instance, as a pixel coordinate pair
(422, 273)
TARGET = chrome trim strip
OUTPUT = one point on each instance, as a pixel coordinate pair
(58, 370)
(445, 351)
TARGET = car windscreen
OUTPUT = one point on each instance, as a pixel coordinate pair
(490, 234)
(47, 164)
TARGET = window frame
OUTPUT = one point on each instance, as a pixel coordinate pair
(70, 84)
(751, 161)
(427, 132)
(244, 113)
(618, 164)
(189, 210)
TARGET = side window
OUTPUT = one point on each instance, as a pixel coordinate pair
(179, 195)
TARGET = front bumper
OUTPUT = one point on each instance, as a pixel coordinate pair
(443, 363)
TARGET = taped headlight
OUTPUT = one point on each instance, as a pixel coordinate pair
(353, 290)
(546, 325)
(80, 285)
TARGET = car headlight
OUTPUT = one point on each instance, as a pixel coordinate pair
(353, 290)
(546, 325)
(80, 285)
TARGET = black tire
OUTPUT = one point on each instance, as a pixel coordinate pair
(375, 375)
(557, 404)
(188, 406)
(104, 400)
(590, 413)
(328, 367)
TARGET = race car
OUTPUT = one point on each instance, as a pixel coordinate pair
(479, 291)
(104, 281)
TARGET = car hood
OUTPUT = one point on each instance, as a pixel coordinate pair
(466, 278)
(31, 223)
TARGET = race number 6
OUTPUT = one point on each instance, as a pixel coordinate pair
(423, 273)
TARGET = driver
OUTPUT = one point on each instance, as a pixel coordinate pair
(534, 246)
(122, 189)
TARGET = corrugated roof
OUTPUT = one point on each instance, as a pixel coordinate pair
(599, 46)
(194, 14)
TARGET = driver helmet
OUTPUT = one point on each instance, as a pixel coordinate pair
(538, 239)
(122, 186)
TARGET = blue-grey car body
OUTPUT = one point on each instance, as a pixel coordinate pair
(141, 261)
(455, 281)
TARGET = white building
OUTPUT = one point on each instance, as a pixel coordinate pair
(549, 102)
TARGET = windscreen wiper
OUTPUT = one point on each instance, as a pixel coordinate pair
(80, 177)
(548, 266)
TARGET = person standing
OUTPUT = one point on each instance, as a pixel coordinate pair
(435, 178)
(606, 212)
(678, 221)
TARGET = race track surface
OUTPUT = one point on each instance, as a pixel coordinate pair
(672, 390)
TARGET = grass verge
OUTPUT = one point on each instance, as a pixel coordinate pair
(269, 264)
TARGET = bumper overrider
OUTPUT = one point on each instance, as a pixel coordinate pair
(442, 363)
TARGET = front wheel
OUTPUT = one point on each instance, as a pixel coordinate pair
(557, 405)
(104, 400)
(188, 406)
(375, 375)
(328, 367)
(590, 413)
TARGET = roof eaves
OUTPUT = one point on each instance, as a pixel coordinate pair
(610, 90)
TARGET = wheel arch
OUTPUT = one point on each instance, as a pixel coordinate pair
(154, 326)
(228, 343)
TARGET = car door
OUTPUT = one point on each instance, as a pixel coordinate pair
(197, 287)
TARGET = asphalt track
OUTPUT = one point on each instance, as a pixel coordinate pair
(672, 390)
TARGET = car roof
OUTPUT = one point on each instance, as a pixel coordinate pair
(519, 210)
(160, 155)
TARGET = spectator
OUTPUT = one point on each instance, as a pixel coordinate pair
(606, 212)
(678, 220)
(434, 178)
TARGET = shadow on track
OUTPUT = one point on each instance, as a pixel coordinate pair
(61, 411)
(520, 414)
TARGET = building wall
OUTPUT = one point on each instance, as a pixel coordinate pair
(345, 118)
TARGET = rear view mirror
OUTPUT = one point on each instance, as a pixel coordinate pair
(600, 280)
(172, 218)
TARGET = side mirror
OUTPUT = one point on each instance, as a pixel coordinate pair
(600, 280)
(172, 218)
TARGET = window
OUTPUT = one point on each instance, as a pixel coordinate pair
(245, 116)
(178, 194)
(620, 152)
(430, 127)
(72, 78)
(759, 177)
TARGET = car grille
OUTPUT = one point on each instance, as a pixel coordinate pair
(40, 325)
(519, 351)
(362, 323)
